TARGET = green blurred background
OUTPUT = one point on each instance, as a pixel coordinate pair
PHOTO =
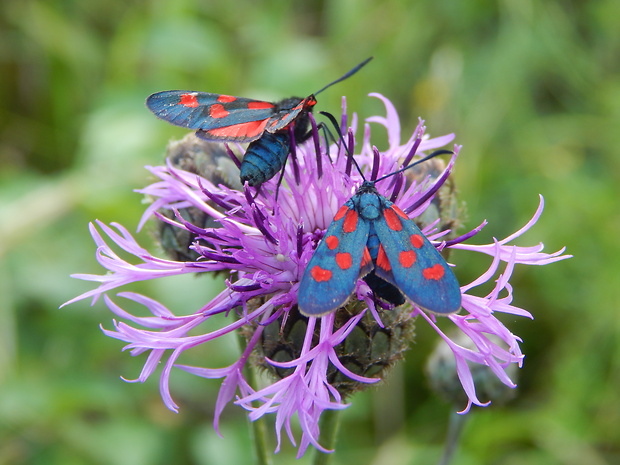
(532, 90)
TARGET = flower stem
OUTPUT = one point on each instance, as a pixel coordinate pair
(455, 428)
(258, 428)
(258, 431)
(330, 426)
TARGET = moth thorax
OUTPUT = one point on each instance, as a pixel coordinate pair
(369, 206)
(288, 104)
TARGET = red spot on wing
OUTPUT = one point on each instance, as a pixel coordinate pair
(392, 220)
(320, 275)
(350, 221)
(400, 213)
(217, 110)
(344, 260)
(332, 242)
(435, 272)
(341, 212)
(188, 100)
(258, 105)
(242, 131)
(226, 98)
(416, 240)
(407, 258)
(366, 258)
(382, 260)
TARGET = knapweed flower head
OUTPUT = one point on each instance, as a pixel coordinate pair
(263, 240)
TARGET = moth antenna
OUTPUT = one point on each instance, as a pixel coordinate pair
(332, 119)
(345, 76)
(428, 157)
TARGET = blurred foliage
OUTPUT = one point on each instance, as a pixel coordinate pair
(532, 90)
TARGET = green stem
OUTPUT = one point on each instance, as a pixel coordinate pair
(329, 425)
(258, 428)
(258, 431)
(455, 428)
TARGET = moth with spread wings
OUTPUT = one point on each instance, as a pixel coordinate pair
(268, 126)
(371, 238)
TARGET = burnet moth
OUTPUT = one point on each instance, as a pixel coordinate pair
(371, 238)
(268, 126)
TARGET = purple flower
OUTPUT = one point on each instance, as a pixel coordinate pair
(263, 243)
